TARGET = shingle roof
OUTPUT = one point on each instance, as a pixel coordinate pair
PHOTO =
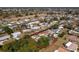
(72, 38)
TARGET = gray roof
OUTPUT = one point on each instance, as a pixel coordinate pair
(4, 37)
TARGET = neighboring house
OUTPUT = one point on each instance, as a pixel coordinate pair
(35, 22)
(18, 23)
(35, 28)
(27, 20)
(9, 24)
(72, 38)
(74, 32)
(26, 30)
(55, 35)
(62, 22)
(59, 31)
(61, 26)
(1, 30)
(77, 29)
(54, 30)
(45, 33)
(1, 43)
(12, 26)
(71, 46)
(23, 26)
(45, 24)
(16, 35)
(4, 37)
(35, 37)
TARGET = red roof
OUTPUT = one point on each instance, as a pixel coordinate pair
(72, 38)
(44, 32)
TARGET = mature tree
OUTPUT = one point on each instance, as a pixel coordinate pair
(43, 41)
(24, 44)
(10, 47)
(7, 29)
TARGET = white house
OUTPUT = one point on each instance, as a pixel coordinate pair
(1, 30)
(55, 35)
(27, 20)
(16, 35)
(74, 32)
(1, 42)
(35, 28)
(2, 38)
(26, 30)
(60, 26)
(35, 37)
(71, 46)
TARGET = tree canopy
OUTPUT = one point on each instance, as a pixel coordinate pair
(43, 41)
(7, 29)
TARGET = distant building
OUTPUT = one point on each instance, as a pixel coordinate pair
(4, 37)
(74, 32)
(26, 30)
(72, 38)
(1, 43)
(35, 37)
(16, 35)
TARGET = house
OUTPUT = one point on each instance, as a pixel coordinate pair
(27, 20)
(61, 49)
(58, 31)
(44, 24)
(9, 24)
(4, 37)
(2, 42)
(61, 26)
(54, 30)
(16, 35)
(71, 46)
(55, 35)
(72, 38)
(62, 22)
(45, 33)
(35, 28)
(35, 22)
(23, 26)
(12, 22)
(54, 22)
(12, 26)
(18, 23)
(73, 32)
(77, 29)
(1, 30)
(26, 30)
(50, 33)
(35, 37)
